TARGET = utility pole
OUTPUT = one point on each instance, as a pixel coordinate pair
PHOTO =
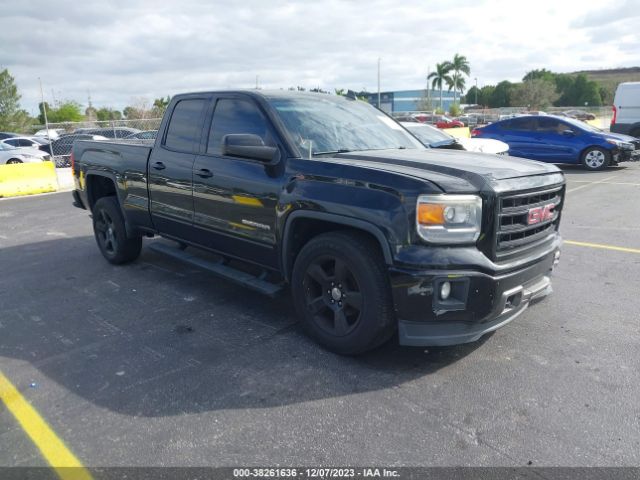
(379, 105)
(46, 122)
(476, 79)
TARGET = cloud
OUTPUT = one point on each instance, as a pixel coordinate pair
(119, 50)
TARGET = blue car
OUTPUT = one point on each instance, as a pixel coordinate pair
(552, 139)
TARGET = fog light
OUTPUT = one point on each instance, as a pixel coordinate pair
(445, 290)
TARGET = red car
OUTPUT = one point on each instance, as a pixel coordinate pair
(440, 121)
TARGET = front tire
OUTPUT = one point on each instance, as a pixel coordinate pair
(13, 161)
(111, 235)
(341, 293)
(596, 158)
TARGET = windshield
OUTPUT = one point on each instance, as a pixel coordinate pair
(581, 124)
(329, 125)
(426, 134)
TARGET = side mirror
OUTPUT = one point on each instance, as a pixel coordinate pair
(247, 145)
(568, 133)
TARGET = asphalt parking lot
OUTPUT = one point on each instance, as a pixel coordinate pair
(160, 364)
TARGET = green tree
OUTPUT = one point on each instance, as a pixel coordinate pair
(460, 67)
(501, 96)
(472, 94)
(340, 91)
(9, 101)
(542, 74)
(41, 107)
(67, 111)
(108, 114)
(535, 94)
(440, 77)
(485, 95)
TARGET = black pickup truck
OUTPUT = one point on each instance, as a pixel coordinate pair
(372, 232)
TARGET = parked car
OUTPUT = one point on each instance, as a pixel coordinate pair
(555, 139)
(117, 132)
(579, 114)
(10, 154)
(62, 146)
(4, 135)
(144, 135)
(51, 134)
(440, 121)
(435, 138)
(469, 119)
(373, 232)
(21, 142)
(626, 109)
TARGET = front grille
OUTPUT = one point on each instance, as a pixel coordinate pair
(514, 233)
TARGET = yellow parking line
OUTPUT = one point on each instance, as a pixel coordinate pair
(600, 245)
(65, 464)
(592, 183)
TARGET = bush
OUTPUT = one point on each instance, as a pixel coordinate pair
(454, 110)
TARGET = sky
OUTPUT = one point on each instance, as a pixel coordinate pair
(122, 52)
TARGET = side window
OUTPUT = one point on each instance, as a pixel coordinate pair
(233, 115)
(24, 142)
(551, 125)
(523, 124)
(183, 132)
(15, 143)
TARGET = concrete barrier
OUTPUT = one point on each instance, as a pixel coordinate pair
(459, 132)
(27, 178)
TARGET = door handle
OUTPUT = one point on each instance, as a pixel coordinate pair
(204, 173)
(159, 166)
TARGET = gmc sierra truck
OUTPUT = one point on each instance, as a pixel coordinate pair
(372, 232)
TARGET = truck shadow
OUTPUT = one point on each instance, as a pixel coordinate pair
(156, 338)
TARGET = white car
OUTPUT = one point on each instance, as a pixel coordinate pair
(9, 155)
(50, 134)
(21, 142)
(435, 138)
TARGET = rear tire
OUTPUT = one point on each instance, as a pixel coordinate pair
(111, 235)
(13, 161)
(596, 158)
(341, 293)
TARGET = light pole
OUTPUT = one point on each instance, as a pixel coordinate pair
(476, 79)
(379, 106)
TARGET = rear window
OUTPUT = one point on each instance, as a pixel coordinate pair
(184, 127)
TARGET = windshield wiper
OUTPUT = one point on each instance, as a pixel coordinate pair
(332, 152)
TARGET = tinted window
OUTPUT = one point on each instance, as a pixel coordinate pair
(236, 116)
(551, 125)
(25, 143)
(522, 123)
(15, 143)
(184, 127)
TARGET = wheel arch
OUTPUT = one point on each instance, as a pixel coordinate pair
(303, 225)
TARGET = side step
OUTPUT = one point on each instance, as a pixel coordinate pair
(219, 269)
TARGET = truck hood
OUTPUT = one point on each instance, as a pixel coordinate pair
(452, 170)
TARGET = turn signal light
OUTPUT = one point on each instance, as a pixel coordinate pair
(431, 214)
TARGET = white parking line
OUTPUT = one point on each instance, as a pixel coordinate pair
(606, 183)
(593, 183)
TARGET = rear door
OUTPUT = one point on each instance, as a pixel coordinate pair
(520, 133)
(171, 167)
(235, 199)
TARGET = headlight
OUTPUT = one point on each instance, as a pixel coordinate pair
(449, 218)
(620, 144)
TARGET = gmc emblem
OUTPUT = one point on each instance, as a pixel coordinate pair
(540, 214)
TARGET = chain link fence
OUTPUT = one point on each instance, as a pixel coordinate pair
(58, 141)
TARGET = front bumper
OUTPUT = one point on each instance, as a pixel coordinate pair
(627, 156)
(483, 303)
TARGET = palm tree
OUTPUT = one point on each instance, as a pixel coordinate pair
(459, 66)
(440, 76)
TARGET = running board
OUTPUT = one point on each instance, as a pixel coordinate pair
(220, 269)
